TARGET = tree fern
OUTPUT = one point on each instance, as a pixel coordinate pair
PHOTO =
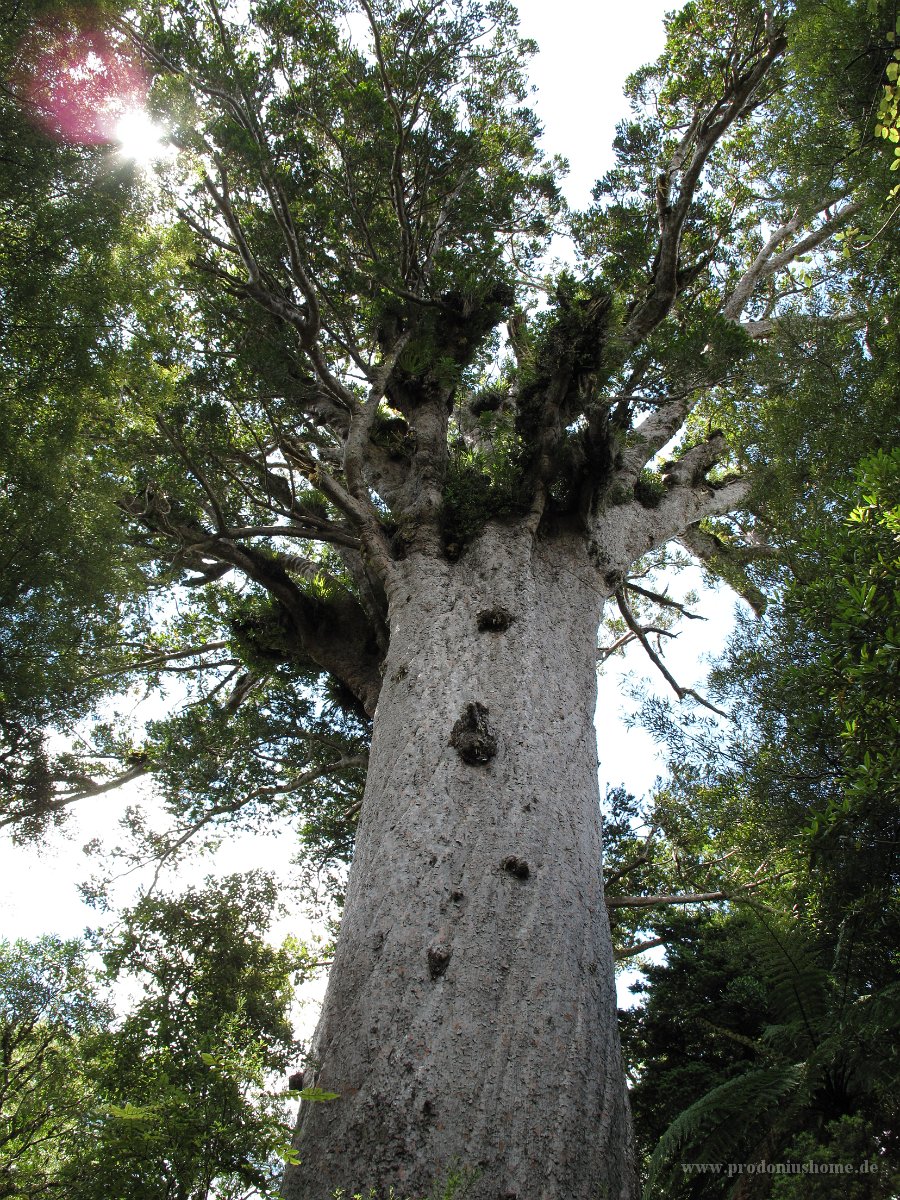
(721, 1124)
(799, 987)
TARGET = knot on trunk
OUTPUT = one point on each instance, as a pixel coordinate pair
(516, 866)
(295, 1082)
(497, 620)
(471, 736)
(438, 961)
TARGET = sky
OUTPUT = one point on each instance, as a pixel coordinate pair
(586, 52)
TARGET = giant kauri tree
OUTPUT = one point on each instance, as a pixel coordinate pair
(377, 475)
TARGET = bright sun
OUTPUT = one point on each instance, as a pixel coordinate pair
(141, 139)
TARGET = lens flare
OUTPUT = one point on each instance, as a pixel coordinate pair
(80, 81)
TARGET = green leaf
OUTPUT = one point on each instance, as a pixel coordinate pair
(131, 1112)
(317, 1095)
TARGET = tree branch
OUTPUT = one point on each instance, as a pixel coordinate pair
(718, 555)
(638, 948)
(641, 636)
(64, 799)
(768, 263)
(695, 147)
(672, 898)
(663, 599)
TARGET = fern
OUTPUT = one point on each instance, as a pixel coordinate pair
(800, 988)
(721, 1122)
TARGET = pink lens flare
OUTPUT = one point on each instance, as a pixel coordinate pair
(79, 80)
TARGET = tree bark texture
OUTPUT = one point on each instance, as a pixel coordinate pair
(470, 1020)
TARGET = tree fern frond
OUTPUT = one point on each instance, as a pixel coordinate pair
(800, 987)
(723, 1120)
(877, 1012)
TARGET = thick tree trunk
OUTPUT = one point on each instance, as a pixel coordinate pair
(470, 1021)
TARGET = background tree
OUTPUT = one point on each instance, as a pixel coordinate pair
(69, 584)
(791, 994)
(50, 1018)
(182, 1096)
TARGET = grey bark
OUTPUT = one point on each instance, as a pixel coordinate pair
(470, 1020)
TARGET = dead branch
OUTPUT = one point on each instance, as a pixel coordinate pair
(639, 633)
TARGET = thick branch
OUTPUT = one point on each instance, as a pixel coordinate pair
(683, 507)
(719, 555)
(694, 149)
(656, 430)
(337, 636)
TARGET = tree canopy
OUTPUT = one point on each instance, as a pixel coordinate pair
(253, 351)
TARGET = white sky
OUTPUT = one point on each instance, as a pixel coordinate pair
(586, 51)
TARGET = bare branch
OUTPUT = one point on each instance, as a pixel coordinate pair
(397, 180)
(665, 900)
(605, 652)
(642, 859)
(163, 657)
(183, 835)
(359, 508)
(664, 599)
(639, 948)
(641, 636)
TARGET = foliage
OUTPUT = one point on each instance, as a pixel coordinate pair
(237, 398)
(888, 126)
(799, 796)
(174, 1098)
(802, 1049)
(861, 664)
(52, 1019)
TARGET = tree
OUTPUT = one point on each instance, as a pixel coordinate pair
(363, 482)
(50, 1014)
(64, 571)
(185, 1103)
(180, 1096)
(782, 1008)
